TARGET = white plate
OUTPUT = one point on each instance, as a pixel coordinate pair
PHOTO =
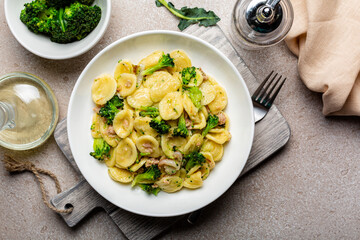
(239, 109)
(41, 45)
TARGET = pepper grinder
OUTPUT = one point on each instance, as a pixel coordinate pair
(257, 24)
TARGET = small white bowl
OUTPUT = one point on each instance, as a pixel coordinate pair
(41, 45)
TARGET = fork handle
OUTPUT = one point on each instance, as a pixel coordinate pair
(194, 216)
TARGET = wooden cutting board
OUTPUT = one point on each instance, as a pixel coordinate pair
(271, 134)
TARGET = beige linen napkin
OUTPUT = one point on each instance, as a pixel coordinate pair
(326, 37)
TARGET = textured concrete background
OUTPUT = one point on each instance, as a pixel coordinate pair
(309, 190)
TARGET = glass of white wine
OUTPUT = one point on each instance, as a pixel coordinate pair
(28, 111)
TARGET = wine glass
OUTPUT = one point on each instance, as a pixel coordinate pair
(28, 111)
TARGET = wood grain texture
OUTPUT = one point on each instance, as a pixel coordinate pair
(271, 134)
(84, 199)
(61, 138)
(141, 227)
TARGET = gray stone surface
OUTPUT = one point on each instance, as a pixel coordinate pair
(309, 190)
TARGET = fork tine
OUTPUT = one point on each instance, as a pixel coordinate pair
(262, 98)
(258, 90)
(271, 90)
(270, 102)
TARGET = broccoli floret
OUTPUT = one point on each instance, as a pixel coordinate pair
(46, 18)
(152, 112)
(181, 130)
(86, 2)
(37, 17)
(62, 24)
(61, 19)
(58, 3)
(76, 22)
(164, 61)
(64, 3)
(212, 122)
(195, 95)
(151, 174)
(101, 149)
(149, 189)
(111, 108)
(159, 125)
(193, 159)
(187, 74)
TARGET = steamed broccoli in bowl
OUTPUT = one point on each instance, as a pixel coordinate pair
(64, 3)
(64, 21)
(38, 17)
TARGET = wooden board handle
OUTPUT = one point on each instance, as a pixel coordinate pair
(83, 198)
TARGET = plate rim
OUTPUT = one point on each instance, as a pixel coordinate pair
(166, 32)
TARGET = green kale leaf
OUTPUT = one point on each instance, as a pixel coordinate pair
(190, 15)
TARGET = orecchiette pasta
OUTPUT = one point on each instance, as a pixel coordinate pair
(171, 106)
(181, 60)
(200, 121)
(170, 183)
(123, 123)
(162, 130)
(110, 161)
(209, 159)
(182, 173)
(108, 134)
(194, 143)
(205, 171)
(220, 101)
(151, 60)
(133, 136)
(95, 126)
(120, 175)
(123, 66)
(170, 144)
(212, 80)
(138, 165)
(126, 84)
(141, 124)
(140, 98)
(197, 80)
(127, 106)
(126, 153)
(215, 149)
(103, 89)
(205, 112)
(190, 107)
(162, 83)
(227, 122)
(148, 145)
(193, 169)
(193, 181)
(220, 136)
(208, 92)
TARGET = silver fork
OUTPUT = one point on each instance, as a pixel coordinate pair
(263, 99)
(264, 96)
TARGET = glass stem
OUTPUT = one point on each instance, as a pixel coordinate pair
(7, 116)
